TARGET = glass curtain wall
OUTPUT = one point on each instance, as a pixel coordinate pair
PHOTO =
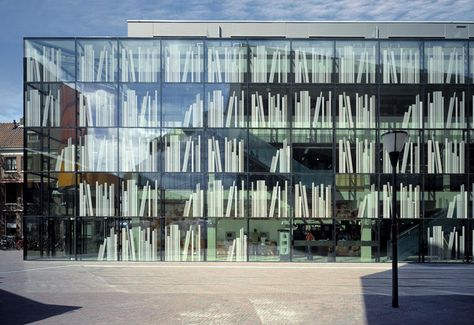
(247, 150)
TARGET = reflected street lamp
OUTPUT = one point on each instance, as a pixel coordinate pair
(393, 142)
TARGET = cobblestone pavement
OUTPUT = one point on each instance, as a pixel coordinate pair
(62, 292)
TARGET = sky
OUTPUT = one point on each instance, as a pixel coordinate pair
(48, 18)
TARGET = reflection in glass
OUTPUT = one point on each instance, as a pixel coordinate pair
(226, 61)
(400, 62)
(49, 60)
(140, 240)
(97, 60)
(139, 149)
(446, 62)
(312, 61)
(97, 105)
(356, 61)
(225, 106)
(185, 240)
(183, 61)
(182, 150)
(52, 105)
(183, 106)
(98, 149)
(269, 61)
(139, 106)
(183, 195)
(139, 60)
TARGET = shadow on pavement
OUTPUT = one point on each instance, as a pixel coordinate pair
(439, 304)
(16, 309)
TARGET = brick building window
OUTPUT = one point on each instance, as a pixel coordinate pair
(10, 164)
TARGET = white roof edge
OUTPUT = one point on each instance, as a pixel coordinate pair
(299, 21)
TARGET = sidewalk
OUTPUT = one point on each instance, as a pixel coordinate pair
(58, 292)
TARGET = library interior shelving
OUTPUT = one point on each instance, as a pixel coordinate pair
(203, 149)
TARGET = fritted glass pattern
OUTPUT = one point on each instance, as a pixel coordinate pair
(236, 150)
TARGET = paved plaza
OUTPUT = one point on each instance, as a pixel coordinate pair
(62, 292)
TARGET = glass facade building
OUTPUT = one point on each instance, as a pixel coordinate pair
(245, 148)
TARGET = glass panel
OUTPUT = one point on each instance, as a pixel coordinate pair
(183, 195)
(269, 196)
(226, 61)
(140, 105)
(225, 106)
(182, 150)
(356, 151)
(410, 233)
(97, 105)
(98, 195)
(356, 61)
(226, 150)
(183, 106)
(357, 196)
(269, 240)
(185, 240)
(139, 60)
(140, 195)
(183, 61)
(356, 240)
(409, 161)
(49, 60)
(139, 148)
(446, 107)
(227, 240)
(471, 56)
(226, 196)
(446, 240)
(313, 240)
(269, 150)
(312, 61)
(269, 61)
(51, 149)
(446, 196)
(445, 152)
(268, 107)
(140, 239)
(51, 105)
(446, 62)
(312, 108)
(401, 62)
(312, 150)
(98, 239)
(49, 238)
(408, 196)
(313, 195)
(97, 60)
(401, 107)
(97, 149)
(357, 108)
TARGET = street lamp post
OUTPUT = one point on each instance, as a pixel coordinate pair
(393, 142)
